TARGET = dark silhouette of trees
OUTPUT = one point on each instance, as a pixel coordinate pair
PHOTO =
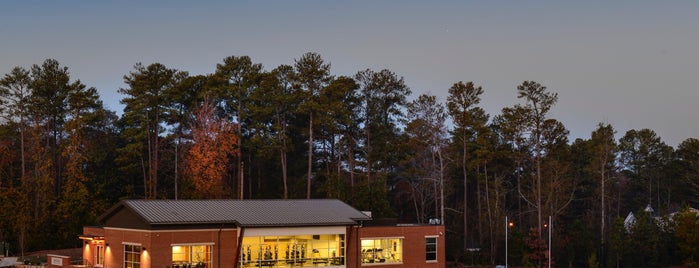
(299, 131)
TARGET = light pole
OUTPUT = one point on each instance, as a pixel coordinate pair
(548, 228)
(508, 225)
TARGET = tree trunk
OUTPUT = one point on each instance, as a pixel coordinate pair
(282, 151)
(284, 175)
(21, 137)
(350, 159)
(479, 205)
(145, 178)
(241, 184)
(490, 212)
(156, 149)
(463, 169)
(441, 184)
(310, 156)
(176, 160)
(368, 154)
(603, 208)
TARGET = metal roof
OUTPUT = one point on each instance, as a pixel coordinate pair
(246, 213)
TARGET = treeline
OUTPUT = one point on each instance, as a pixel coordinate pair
(298, 131)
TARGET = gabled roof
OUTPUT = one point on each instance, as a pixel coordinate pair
(244, 213)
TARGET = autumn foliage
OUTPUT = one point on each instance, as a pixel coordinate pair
(213, 148)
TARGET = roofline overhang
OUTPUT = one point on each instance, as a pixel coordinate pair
(237, 224)
(300, 225)
(90, 237)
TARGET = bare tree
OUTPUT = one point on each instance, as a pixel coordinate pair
(426, 119)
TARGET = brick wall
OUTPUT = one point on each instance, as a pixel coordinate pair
(413, 244)
(157, 246)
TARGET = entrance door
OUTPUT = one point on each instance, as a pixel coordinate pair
(99, 256)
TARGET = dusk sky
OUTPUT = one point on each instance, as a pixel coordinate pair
(632, 64)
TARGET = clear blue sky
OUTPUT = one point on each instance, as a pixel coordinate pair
(633, 64)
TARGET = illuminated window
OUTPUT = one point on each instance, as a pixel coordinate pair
(191, 256)
(431, 249)
(382, 250)
(132, 256)
(318, 250)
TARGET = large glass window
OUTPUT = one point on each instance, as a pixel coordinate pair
(431, 249)
(191, 256)
(382, 250)
(293, 250)
(132, 256)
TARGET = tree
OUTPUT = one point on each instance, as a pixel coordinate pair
(76, 205)
(537, 248)
(603, 163)
(214, 141)
(274, 104)
(56, 120)
(688, 155)
(383, 96)
(339, 129)
(238, 78)
(561, 185)
(14, 96)
(50, 87)
(37, 191)
(644, 239)
(143, 119)
(460, 103)
(510, 127)
(416, 188)
(426, 123)
(312, 76)
(643, 155)
(618, 242)
(538, 103)
(686, 226)
(179, 114)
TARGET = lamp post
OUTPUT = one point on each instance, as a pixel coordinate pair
(508, 225)
(548, 228)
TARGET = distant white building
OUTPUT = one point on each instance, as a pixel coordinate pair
(631, 218)
(8, 262)
(691, 209)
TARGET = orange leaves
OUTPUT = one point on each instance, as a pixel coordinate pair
(214, 146)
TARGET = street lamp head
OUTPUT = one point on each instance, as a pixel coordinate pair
(510, 224)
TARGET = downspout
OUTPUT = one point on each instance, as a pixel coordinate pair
(218, 248)
(348, 238)
(241, 233)
(357, 247)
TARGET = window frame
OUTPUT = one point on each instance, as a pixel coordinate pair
(400, 251)
(189, 253)
(135, 251)
(322, 249)
(429, 252)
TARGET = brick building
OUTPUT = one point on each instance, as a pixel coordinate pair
(254, 233)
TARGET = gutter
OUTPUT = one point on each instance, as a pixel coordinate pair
(239, 247)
